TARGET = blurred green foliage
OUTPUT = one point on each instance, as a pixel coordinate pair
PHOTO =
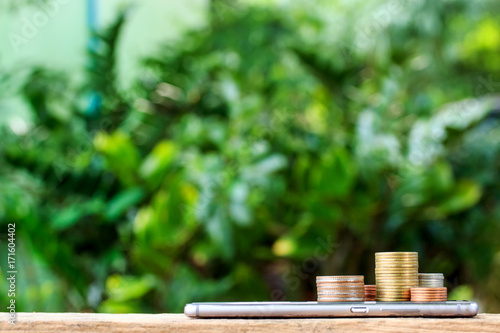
(276, 144)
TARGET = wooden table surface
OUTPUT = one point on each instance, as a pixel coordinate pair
(102, 322)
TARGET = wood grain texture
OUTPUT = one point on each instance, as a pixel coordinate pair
(101, 322)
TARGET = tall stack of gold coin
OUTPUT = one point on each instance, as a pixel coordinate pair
(395, 274)
(341, 288)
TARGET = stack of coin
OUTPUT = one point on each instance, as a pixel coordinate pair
(395, 274)
(429, 294)
(431, 280)
(341, 288)
(370, 292)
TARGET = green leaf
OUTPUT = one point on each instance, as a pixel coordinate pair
(440, 178)
(67, 217)
(165, 221)
(123, 201)
(121, 156)
(156, 164)
(335, 175)
(465, 194)
(125, 288)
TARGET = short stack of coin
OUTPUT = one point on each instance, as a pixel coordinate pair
(395, 274)
(429, 294)
(431, 280)
(341, 288)
(370, 292)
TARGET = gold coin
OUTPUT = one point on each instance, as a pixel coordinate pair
(396, 254)
(396, 283)
(341, 281)
(400, 274)
(391, 260)
(403, 272)
(378, 258)
(396, 272)
(413, 259)
(393, 291)
(396, 276)
(413, 269)
(407, 296)
(395, 262)
(407, 290)
(396, 280)
(396, 267)
(393, 298)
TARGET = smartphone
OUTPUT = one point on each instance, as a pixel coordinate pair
(334, 309)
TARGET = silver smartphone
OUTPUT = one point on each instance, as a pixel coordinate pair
(336, 309)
